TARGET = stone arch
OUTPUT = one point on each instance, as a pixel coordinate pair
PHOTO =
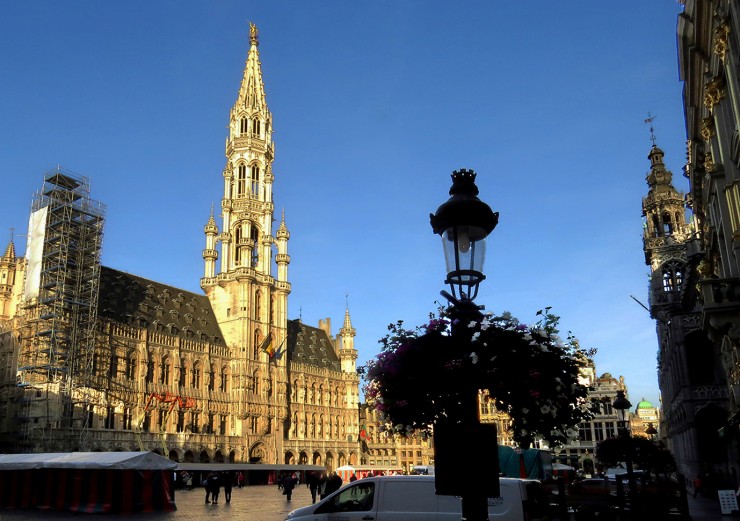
(353, 458)
(316, 458)
(303, 458)
(331, 461)
(189, 457)
(204, 457)
(289, 458)
(257, 452)
(174, 456)
(232, 456)
(218, 457)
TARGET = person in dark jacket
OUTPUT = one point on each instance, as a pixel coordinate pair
(333, 483)
(289, 483)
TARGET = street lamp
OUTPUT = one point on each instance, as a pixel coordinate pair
(622, 405)
(464, 222)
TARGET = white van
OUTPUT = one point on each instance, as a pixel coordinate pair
(412, 498)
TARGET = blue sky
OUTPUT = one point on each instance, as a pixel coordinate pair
(374, 104)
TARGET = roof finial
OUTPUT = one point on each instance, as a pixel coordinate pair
(211, 208)
(649, 121)
(253, 34)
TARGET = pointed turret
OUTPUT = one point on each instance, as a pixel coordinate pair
(282, 259)
(8, 271)
(210, 254)
(347, 352)
(10, 251)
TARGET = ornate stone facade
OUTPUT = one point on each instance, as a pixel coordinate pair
(219, 376)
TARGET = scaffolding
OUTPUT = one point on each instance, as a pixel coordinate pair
(56, 359)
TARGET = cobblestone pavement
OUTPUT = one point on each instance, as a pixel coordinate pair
(254, 503)
(257, 503)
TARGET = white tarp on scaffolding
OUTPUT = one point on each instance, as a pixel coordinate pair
(35, 252)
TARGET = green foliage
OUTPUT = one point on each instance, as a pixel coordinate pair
(533, 375)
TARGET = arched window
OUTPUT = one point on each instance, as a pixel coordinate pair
(256, 382)
(667, 224)
(166, 368)
(257, 305)
(672, 278)
(237, 248)
(255, 180)
(197, 371)
(257, 344)
(656, 226)
(241, 180)
(254, 236)
(244, 126)
(224, 379)
(256, 127)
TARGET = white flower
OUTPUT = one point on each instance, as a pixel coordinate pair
(545, 409)
(476, 335)
(485, 324)
(474, 357)
(473, 323)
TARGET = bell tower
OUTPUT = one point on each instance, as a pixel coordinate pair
(665, 234)
(249, 302)
(247, 287)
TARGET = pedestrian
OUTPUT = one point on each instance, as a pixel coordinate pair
(289, 483)
(697, 485)
(352, 478)
(228, 484)
(214, 483)
(313, 485)
(240, 479)
(207, 486)
(333, 483)
(322, 485)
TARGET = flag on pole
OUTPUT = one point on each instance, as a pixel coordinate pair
(267, 346)
(279, 353)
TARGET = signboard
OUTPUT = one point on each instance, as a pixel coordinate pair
(727, 501)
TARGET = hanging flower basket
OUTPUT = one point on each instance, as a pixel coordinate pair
(532, 374)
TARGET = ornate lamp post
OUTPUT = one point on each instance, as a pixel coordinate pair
(464, 222)
(622, 405)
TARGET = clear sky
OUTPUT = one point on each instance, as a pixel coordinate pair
(374, 104)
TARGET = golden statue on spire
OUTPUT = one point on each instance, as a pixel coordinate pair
(253, 34)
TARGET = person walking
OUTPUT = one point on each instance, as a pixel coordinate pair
(313, 485)
(207, 486)
(289, 483)
(214, 483)
(333, 483)
(228, 485)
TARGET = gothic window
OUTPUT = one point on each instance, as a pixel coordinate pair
(256, 382)
(113, 369)
(127, 416)
(195, 422)
(183, 373)
(195, 381)
(212, 378)
(672, 278)
(224, 379)
(222, 425)
(257, 305)
(255, 250)
(244, 126)
(241, 180)
(110, 418)
(256, 127)
(131, 366)
(656, 226)
(150, 372)
(166, 367)
(667, 224)
(180, 421)
(257, 343)
(255, 180)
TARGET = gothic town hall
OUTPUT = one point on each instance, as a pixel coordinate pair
(92, 358)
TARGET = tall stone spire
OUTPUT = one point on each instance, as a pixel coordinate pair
(347, 352)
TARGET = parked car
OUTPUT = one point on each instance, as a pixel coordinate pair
(412, 498)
